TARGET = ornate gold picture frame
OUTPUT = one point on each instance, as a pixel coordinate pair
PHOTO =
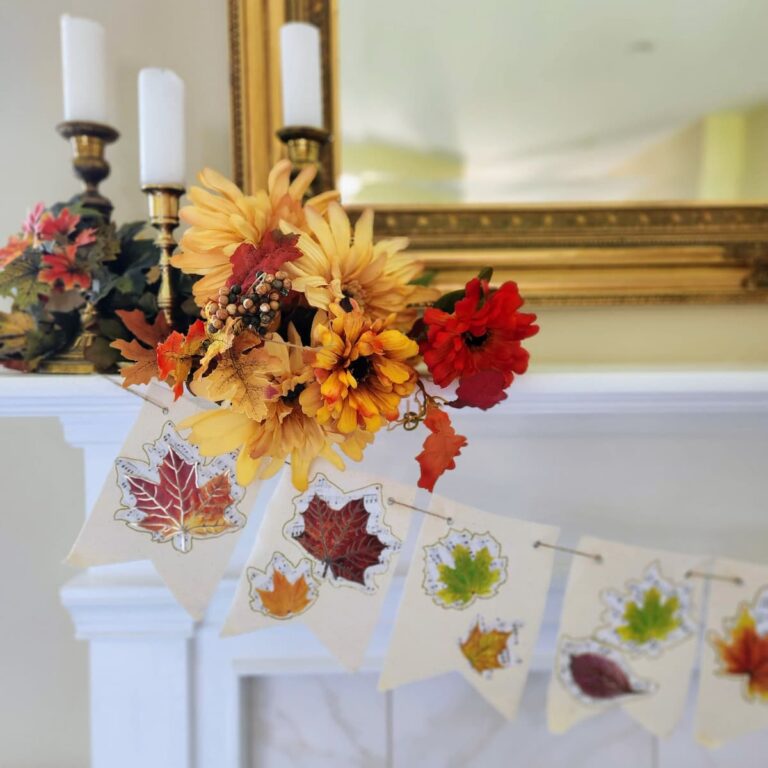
(584, 254)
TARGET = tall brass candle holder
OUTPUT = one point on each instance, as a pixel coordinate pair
(163, 202)
(89, 141)
(304, 146)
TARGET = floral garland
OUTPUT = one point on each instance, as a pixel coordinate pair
(63, 256)
(313, 335)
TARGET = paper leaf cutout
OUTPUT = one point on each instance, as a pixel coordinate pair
(595, 673)
(345, 533)
(653, 614)
(441, 447)
(282, 590)
(176, 497)
(487, 650)
(655, 619)
(463, 566)
(743, 652)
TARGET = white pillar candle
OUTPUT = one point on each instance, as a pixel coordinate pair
(300, 69)
(83, 60)
(162, 138)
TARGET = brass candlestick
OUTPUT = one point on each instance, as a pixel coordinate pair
(89, 141)
(164, 215)
(304, 146)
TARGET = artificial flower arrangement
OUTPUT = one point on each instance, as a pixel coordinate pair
(63, 256)
(313, 336)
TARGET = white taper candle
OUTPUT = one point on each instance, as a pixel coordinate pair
(300, 69)
(162, 135)
(83, 61)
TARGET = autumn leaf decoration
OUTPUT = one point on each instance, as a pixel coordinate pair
(743, 652)
(176, 354)
(595, 673)
(440, 449)
(176, 497)
(348, 538)
(463, 566)
(487, 650)
(283, 590)
(653, 619)
(141, 350)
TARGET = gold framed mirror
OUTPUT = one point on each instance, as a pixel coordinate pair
(574, 253)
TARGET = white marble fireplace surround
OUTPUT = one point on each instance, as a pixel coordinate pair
(672, 459)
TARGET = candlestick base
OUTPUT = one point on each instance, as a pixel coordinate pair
(73, 360)
(163, 200)
(304, 145)
(89, 141)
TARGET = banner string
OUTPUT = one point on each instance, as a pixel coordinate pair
(737, 580)
(147, 399)
(448, 519)
(591, 555)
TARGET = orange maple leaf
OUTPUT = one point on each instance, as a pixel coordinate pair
(745, 653)
(174, 355)
(145, 358)
(285, 598)
(440, 448)
(484, 648)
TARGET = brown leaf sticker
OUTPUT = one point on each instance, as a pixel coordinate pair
(593, 672)
(345, 533)
(176, 497)
(282, 590)
(487, 649)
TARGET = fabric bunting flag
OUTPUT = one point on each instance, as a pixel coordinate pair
(324, 557)
(733, 687)
(473, 602)
(628, 636)
(166, 503)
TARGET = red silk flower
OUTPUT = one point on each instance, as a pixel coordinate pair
(483, 333)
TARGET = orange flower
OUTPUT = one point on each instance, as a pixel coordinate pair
(745, 654)
(222, 218)
(61, 270)
(362, 370)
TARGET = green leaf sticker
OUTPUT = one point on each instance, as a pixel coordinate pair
(462, 567)
(655, 619)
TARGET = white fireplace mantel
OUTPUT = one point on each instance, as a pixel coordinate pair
(156, 672)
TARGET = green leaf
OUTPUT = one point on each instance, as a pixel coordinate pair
(655, 619)
(486, 273)
(19, 279)
(427, 277)
(472, 576)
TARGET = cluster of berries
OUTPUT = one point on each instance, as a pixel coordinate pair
(257, 308)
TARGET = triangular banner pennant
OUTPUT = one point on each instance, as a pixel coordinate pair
(473, 602)
(733, 687)
(628, 637)
(324, 557)
(162, 501)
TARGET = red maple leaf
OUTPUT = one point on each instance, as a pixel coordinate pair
(174, 507)
(482, 390)
(269, 255)
(339, 539)
(61, 270)
(440, 448)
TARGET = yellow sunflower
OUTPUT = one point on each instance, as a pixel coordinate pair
(222, 218)
(287, 432)
(362, 371)
(337, 264)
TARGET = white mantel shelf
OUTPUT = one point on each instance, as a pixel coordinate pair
(154, 669)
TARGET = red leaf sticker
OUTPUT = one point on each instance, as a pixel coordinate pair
(345, 533)
(440, 448)
(176, 497)
(481, 390)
